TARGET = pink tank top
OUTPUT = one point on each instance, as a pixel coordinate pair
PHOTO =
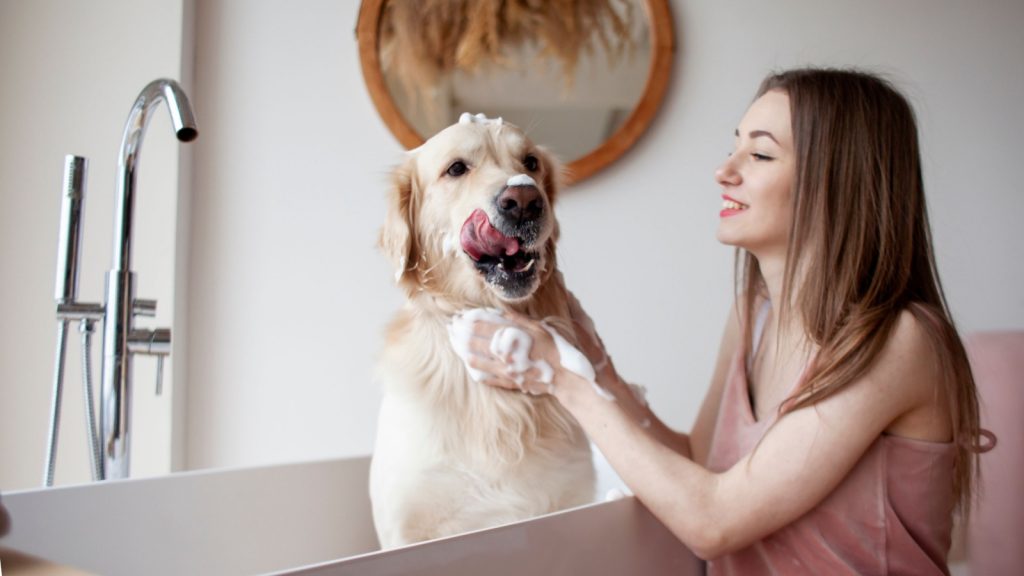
(891, 515)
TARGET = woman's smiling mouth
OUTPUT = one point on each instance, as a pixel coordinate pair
(731, 207)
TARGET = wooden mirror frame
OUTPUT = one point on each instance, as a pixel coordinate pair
(659, 70)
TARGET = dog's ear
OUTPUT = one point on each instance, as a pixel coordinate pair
(398, 236)
(554, 175)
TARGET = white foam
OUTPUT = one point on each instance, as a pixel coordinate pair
(467, 118)
(460, 334)
(614, 494)
(574, 361)
(450, 244)
(512, 342)
(401, 269)
(515, 344)
(521, 180)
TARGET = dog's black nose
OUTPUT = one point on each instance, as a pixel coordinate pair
(520, 203)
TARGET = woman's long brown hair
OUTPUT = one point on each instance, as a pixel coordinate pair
(860, 249)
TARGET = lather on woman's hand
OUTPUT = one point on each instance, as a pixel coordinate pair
(513, 351)
(526, 358)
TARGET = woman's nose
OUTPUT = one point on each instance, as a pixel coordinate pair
(727, 175)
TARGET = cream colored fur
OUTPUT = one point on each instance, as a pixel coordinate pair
(453, 455)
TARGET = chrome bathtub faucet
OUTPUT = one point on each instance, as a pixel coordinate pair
(120, 337)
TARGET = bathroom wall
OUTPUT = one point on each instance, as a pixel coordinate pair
(290, 296)
(286, 296)
(70, 73)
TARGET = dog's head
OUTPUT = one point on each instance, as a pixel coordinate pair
(470, 214)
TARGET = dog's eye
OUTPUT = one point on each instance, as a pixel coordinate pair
(458, 168)
(531, 163)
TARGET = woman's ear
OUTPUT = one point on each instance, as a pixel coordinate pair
(398, 236)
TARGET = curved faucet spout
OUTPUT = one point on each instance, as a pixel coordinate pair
(162, 90)
(120, 307)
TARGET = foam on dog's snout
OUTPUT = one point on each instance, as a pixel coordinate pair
(515, 344)
(521, 180)
(479, 238)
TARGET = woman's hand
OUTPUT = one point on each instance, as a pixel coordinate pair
(525, 358)
(590, 342)
(513, 351)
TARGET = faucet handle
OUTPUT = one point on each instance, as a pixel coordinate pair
(142, 307)
(154, 343)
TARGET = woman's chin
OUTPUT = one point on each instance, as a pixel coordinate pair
(724, 237)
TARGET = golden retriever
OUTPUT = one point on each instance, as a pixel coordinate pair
(470, 224)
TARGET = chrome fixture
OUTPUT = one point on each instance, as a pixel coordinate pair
(120, 337)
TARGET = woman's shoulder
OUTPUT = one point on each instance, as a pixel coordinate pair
(907, 354)
(910, 334)
(909, 368)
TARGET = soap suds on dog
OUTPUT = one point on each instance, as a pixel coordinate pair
(515, 344)
(467, 118)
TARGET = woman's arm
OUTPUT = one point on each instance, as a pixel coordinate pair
(704, 426)
(633, 403)
(800, 460)
(694, 445)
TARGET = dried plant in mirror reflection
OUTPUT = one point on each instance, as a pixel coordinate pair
(423, 41)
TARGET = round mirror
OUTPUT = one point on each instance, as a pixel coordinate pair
(583, 78)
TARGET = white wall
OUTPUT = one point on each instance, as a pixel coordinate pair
(71, 72)
(288, 292)
(288, 296)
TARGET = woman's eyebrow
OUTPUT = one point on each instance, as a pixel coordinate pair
(759, 133)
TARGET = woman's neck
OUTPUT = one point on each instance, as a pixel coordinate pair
(773, 270)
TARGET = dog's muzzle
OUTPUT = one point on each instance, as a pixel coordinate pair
(520, 209)
(520, 203)
(499, 257)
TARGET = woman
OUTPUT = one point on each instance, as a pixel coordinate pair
(841, 429)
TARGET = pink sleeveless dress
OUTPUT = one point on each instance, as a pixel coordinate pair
(890, 515)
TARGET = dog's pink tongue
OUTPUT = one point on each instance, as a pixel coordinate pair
(479, 238)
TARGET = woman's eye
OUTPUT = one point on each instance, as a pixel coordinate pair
(531, 163)
(761, 157)
(458, 168)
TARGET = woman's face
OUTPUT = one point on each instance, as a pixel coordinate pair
(757, 180)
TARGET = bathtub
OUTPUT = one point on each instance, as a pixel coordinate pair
(314, 519)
